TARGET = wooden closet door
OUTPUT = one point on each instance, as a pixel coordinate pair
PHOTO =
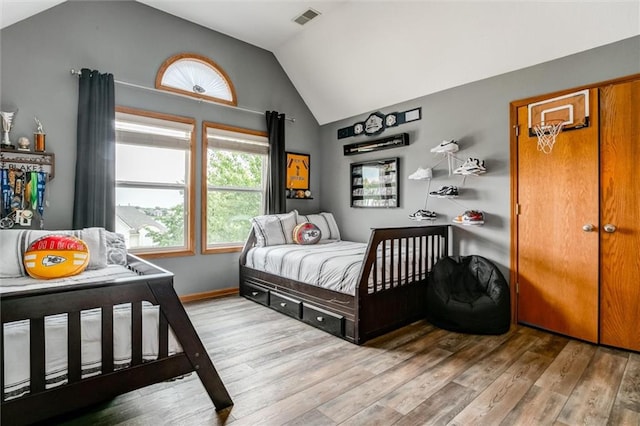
(620, 207)
(557, 260)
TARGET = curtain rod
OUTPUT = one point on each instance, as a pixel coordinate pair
(153, 89)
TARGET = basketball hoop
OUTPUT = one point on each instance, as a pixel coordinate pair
(547, 131)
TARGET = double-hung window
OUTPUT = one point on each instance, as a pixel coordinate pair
(233, 190)
(155, 161)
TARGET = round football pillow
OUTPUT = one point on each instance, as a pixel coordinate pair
(306, 233)
(56, 256)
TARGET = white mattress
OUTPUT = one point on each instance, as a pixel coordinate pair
(16, 334)
(16, 346)
(332, 265)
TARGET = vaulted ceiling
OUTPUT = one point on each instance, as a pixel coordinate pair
(362, 55)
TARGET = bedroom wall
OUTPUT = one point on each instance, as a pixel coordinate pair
(477, 115)
(131, 41)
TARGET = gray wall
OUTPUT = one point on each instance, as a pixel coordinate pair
(131, 41)
(477, 115)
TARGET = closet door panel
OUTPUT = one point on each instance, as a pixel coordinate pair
(620, 207)
(557, 259)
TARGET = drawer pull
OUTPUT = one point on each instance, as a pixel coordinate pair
(320, 319)
(283, 304)
(254, 293)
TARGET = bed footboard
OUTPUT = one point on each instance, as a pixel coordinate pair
(392, 286)
(152, 285)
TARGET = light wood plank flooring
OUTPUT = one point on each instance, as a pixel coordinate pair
(282, 372)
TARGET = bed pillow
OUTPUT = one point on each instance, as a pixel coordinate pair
(116, 248)
(306, 233)
(56, 256)
(325, 222)
(14, 242)
(274, 229)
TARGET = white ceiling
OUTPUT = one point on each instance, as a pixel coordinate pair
(363, 55)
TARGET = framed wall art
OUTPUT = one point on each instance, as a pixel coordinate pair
(375, 183)
(298, 171)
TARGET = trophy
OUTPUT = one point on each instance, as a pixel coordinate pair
(38, 137)
(7, 121)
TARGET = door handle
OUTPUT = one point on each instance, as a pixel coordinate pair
(609, 228)
(588, 227)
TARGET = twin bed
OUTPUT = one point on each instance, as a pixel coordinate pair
(77, 341)
(69, 343)
(356, 291)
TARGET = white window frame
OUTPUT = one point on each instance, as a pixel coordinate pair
(215, 135)
(181, 125)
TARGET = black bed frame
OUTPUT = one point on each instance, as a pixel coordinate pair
(153, 285)
(374, 310)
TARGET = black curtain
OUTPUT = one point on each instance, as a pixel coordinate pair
(276, 201)
(95, 191)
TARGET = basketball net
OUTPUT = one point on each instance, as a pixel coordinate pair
(547, 131)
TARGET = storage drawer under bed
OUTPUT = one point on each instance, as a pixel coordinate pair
(286, 305)
(324, 320)
(257, 293)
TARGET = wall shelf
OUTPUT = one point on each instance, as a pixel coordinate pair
(28, 161)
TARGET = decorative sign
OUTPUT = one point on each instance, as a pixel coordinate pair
(28, 161)
(377, 122)
(386, 143)
(298, 171)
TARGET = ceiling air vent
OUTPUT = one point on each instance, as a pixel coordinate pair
(308, 15)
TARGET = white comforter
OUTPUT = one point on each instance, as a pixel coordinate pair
(333, 265)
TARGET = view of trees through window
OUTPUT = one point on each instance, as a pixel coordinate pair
(235, 184)
(234, 195)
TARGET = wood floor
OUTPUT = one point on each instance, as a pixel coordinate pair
(282, 372)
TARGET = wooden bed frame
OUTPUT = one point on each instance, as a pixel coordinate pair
(153, 285)
(374, 310)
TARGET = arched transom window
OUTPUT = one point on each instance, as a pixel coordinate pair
(198, 76)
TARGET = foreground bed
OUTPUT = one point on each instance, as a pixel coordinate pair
(389, 292)
(79, 388)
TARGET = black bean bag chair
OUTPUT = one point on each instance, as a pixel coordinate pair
(468, 294)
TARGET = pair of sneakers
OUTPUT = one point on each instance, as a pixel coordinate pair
(445, 192)
(470, 217)
(446, 146)
(472, 166)
(423, 215)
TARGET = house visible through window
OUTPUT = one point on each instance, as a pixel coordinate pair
(233, 186)
(154, 174)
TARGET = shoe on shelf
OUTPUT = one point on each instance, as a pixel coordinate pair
(423, 215)
(445, 192)
(470, 217)
(446, 146)
(472, 166)
(421, 174)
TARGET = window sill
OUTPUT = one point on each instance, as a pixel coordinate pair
(222, 249)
